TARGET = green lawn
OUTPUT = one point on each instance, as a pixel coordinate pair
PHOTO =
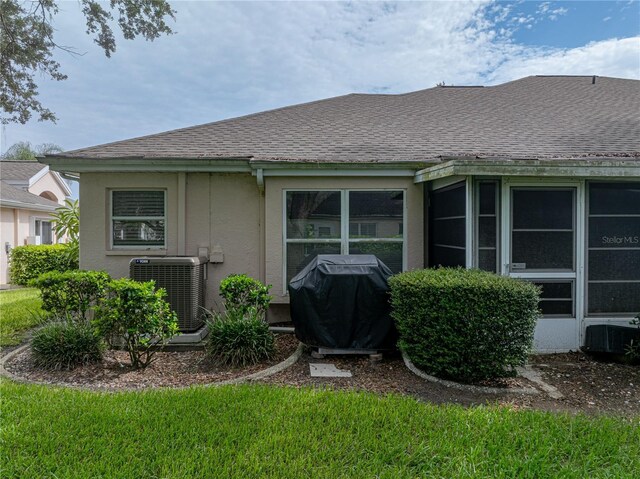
(259, 431)
(19, 312)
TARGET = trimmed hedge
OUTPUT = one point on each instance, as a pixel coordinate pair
(29, 262)
(466, 325)
(71, 294)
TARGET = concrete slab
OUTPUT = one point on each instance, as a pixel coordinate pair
(190, 338)
(320, 370)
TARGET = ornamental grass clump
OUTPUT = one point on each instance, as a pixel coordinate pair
(467, 325)
(239, 339)
(66, 345)
(240, 336)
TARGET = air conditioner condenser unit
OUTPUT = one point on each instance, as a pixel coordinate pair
(184, 279)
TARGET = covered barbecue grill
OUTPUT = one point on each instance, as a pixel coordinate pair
(342, 302)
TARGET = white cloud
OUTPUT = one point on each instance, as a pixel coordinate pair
(228, 59)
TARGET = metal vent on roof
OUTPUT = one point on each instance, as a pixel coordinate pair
(183, 278)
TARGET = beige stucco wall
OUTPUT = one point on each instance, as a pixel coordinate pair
(274, 188)
(225, 213)
(15, 233)
(220, 210)
(49, 184)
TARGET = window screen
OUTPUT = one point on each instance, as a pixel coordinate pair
(613, 248)
(487, 225)
(138, 218)
(447, 226)
(543, 229)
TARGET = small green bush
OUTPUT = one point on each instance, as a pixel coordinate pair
(71, 294)
(467, 325)
(29, 262)
(243, 293)
(139, 314)
(66, 345)
(237, 340)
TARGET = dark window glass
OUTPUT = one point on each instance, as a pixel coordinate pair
(309, 211)
(300, 254)
(614, 198)
(389, 253)
(47, 233)
(487, 198)
(449, 201)
(614, 264)
(138, 203)
(614, 232)
(614, 297)
(551, 289)
(564, 308)
(487, 260)
(487, 231)
(542, 209)
(445, 231)
(138, 233)
(543, 249)
(447, 257)
(450, 232)
(377, 213)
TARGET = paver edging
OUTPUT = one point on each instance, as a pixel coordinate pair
(276, 368)
(464, 387)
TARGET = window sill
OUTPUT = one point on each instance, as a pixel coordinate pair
(136, 252)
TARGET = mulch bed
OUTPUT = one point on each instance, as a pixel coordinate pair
(588, 385)
(170, 369)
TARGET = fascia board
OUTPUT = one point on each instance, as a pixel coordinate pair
(144, 165)
(602, 168)
(26, 206)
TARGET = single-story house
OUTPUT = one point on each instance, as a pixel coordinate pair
(29, 195)
(538, 178)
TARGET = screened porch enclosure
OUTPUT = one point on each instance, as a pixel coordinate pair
(579, 240)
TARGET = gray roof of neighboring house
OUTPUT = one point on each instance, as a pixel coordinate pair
(13, 194)
(534, 117)
(19, 170)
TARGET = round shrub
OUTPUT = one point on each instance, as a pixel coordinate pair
(137, 313)
(66, 345)
(243, 293)
(239, 340)
(467, 325)
(71, 294)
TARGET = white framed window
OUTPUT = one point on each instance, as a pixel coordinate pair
(41, 229)
(343, 222)
(138, 219)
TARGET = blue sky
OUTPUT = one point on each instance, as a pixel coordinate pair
(232, 58)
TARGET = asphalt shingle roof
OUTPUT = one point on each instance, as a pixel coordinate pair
(19, 170)
(534, 117)
(12, 193)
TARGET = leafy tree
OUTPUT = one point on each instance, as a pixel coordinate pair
(27, 44)
(66, 222)
(25, 152)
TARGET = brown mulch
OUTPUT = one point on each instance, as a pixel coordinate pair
(169, 369)
(588, 385)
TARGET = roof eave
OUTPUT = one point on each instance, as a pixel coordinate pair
(583, 167)
(27, 206)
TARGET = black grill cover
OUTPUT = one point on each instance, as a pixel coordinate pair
(342, 302)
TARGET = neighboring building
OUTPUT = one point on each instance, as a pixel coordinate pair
(537, 178)
(29, 194)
